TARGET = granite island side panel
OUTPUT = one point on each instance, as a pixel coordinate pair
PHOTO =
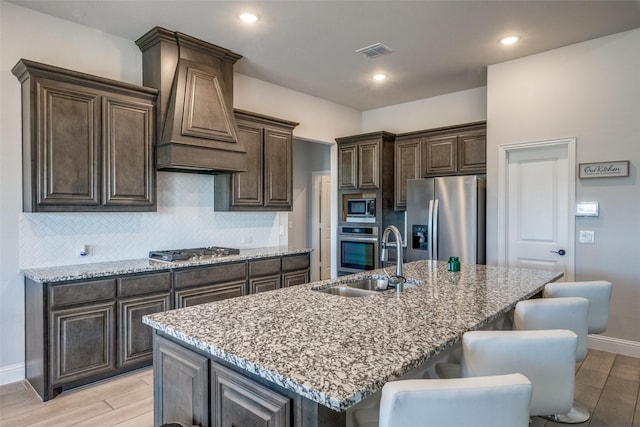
(336, 351)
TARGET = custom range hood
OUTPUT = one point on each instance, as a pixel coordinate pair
(196, 126)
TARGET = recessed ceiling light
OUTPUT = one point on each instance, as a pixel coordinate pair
(379, 76)
(509, 40)
(249, 18)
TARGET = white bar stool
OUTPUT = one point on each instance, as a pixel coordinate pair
(547, 358)
(496, 401)
(598, 292)
(558, 313)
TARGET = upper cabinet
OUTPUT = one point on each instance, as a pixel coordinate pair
(453, 150)
(268, 182)
(87, 142)
(360, 159)
(196, 127)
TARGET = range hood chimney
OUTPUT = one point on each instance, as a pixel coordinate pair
(196, 126)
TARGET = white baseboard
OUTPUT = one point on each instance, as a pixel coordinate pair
(12, 373)
(614, 345)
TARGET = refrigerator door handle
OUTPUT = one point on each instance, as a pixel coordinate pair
(434, 228)
(430, 231)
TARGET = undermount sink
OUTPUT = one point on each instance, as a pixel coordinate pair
(361, 287)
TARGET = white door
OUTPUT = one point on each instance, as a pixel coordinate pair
(325, 228)
(538, 191)
(321, 226)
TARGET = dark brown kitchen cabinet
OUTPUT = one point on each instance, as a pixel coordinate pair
(87, 141)
(472, 152)
(407, 156)
(239, 401)
(348, 167)
(452, 150)
(295, 270)
(360, 160)
(82, 342)
(264, 275)
(180, 385)
(440, 155)
(212, 283)
(139, 295)
(81, 331)
(268, 182)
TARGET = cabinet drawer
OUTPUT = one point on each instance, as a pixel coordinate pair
(295, 278)
(295, 262)
(81, 292)
(264, 284)
(145, 284)
(264, 267)
(205, 294)
(210, 275)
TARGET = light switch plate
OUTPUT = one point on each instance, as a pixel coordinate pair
(587, 236)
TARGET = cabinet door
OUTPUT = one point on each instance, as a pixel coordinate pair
(347, 166)
(440, 155)
(68, 147)
(127, 134)
(369, 165)
(238, 401)
(135, 339)
(407, 167)
(82, 342)
(472, 152)
(263, 284)
(204, 294)
(278, 169)
(294, 278)
(180, 385)
(248, 186)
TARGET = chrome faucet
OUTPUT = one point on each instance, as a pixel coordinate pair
(398, 283)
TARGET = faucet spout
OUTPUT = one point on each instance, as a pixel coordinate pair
(384, 257)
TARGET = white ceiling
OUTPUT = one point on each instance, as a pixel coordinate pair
(309, 46)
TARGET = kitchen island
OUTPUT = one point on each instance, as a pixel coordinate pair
(301, 357)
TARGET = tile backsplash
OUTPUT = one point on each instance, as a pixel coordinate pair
(185, 218)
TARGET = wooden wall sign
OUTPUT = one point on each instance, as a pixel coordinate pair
(604, 169)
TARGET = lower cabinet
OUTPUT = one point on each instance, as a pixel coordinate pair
(78, 332)
(82, 342)
(295, 278)
(211, 283)
(135, 339)
(238, 401)
(295, 270)
(193, 388)
(180, 385)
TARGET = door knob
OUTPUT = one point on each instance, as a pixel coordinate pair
(561, 252)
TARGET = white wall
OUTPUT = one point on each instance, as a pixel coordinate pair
(455, 108)
(590, 91)
(185, 216)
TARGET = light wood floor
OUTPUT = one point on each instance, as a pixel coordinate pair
(607, 383)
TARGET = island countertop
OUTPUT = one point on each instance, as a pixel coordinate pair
(335, 350)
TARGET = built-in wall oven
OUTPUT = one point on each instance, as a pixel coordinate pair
(357, 249)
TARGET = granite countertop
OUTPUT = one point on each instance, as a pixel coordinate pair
(111, 268)
(336, 350)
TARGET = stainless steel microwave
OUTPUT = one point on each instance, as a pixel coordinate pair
(361, 210)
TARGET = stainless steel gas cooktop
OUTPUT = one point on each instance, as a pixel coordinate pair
(192, 254)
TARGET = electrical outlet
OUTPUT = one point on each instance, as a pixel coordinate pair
(587, 236)
(246, 239)
(83, 251)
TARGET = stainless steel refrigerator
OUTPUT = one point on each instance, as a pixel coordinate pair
(445, 218)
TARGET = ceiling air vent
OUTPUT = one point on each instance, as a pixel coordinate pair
(375, 50)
